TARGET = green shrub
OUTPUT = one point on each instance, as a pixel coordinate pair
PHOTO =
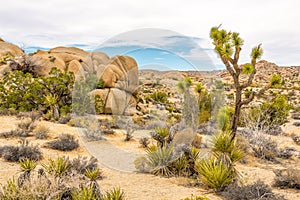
(99, 105)
(101, 84)
(270, 114)
(275, 80)
(24, 92)
(160, 97)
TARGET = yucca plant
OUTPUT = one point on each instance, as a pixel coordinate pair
(215, 173)
(224, 147)
(180, 165)
(114, 194)
(222, 142)
(57, 167)
(85, 193)
(10, 190)
(195, 152)
(160, 135)
(93, 175)
(28, 165)
(160, 160)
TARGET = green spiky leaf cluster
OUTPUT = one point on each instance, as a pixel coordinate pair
(215, 173)
(57, 167)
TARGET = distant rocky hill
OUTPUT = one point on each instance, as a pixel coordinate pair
(265, 70)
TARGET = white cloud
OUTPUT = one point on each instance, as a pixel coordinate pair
(271, 22)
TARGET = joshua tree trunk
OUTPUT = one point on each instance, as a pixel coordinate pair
(237, 111)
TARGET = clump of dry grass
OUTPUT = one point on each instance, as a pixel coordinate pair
(64, 142)
(41, 132)
(287, 178)
(257, 190)
(22, 151)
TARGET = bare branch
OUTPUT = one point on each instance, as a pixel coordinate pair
(255, 94)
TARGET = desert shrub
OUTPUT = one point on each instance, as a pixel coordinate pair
(33, 115)
(101, 84)
(99, 104)
(156, 124)
(144, 141)
(57, 179)
(296, 116)
(65, 142)
(219, 170)
(64, 119)
(14, 133)
(81, 164)
(275, 80)
(93, 133)
(287, 178)
(130, 128)
(26, 126)
(141, 164)
(269, 114)
(262, 145)
(205, 104)
(79, 122)
(215, 173)
(24, 92)
(285, 153)
(195, 198)
(160, 97)
(41, 132)
(257, 190)
(296, 123)
(22, 151)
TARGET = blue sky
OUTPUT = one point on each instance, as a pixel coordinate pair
(94, 24)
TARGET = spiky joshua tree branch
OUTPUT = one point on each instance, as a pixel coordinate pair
(228, 47)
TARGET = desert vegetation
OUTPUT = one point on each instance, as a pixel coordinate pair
(220, 135)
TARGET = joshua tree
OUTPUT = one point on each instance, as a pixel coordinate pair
(228, 47)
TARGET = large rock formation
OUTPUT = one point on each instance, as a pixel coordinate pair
(7, 52)
(119, 73)
(7, 49)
